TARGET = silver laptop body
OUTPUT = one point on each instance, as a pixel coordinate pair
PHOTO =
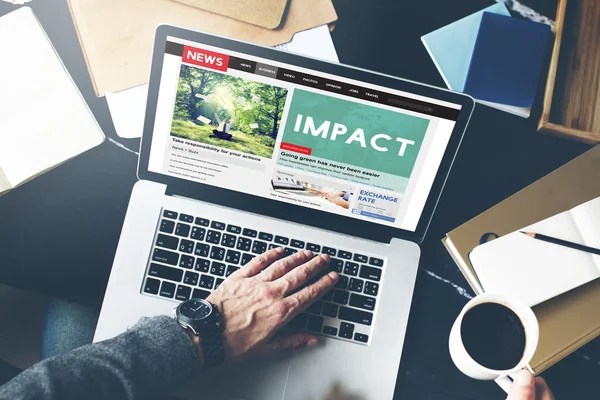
(150, 277)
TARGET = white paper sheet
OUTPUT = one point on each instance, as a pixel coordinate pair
(44, 119)
(314, 42)
(127, 107)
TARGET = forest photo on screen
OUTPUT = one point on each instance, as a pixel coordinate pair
(227, 111)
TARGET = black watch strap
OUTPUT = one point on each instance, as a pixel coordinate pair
(211, 340)
(212, 347)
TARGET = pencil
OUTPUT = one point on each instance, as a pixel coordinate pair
(561, 242)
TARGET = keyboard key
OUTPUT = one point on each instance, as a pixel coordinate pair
(289, 251)
(201, 221)
(360, 258)
(351, 268)
(299, 322)
(299, 244)
(206, 282)
(330, 310)
(344, 254)
(165, 256)
(230, 270)
(273, 246)
(371, 288)
(346, 330)
(282, 240)
(217, 253)
(217, 225)
(378, 262)
(234, 229)
(213, 237)
(340, 297)
(190, 278)
(182, 230)
(330, 330)
(330, 251)
(167, 226)
(315, 248)
(168, 242)
(359, 337)
(183, 293)
(337, 265)
(186, 246)
(228, 240)
(169, 214)
(198, 233)
(202, 265)
(186, 262)
(328, 296)
(358, 316)
(151, 286)
(249, 232)
(164, 272)
(356, 285)
(217, 268)
(370, 273)
(315, 323)
(265, 236)
(200, 294)
(315, 308)
(246, 258)
(218, 283)
(259, 247)
(186, 218)
(244, 244)
(342, 282)
(364, 302)
(201, 249)
(167, 289)
(232, 257)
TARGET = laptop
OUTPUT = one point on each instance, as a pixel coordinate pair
(377, 151)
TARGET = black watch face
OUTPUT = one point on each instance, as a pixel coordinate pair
(195, 309)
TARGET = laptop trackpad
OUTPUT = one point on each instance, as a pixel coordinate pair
(252, 380)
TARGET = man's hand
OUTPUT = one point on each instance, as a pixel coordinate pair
(264, 295)
(525, 387)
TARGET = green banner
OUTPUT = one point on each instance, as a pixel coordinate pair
(352, 133)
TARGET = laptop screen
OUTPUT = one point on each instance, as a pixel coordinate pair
(298, 136)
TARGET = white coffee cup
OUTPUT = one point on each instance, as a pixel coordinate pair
(473, 369)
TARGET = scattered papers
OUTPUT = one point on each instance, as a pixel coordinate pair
(316, 43)
(127, 109)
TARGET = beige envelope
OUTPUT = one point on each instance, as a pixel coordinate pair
(266, 13)
(117, 36)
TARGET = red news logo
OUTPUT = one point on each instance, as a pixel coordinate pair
(205, 58)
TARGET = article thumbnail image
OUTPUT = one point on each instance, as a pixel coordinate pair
(227, 111)
(303, 190)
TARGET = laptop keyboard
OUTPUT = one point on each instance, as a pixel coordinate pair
(192, 256)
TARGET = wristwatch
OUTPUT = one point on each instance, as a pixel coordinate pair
(203, 319)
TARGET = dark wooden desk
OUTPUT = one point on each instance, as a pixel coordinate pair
(58, 233)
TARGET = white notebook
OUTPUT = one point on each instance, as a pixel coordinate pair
(44, 120)
(536, 271)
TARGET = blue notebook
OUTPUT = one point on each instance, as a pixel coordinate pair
(451, 46)
(507, 60)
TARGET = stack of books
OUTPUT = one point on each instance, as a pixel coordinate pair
(491, 56)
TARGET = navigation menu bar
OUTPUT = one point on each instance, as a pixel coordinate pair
(330, 85)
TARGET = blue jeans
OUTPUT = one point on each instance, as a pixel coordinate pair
(67, 326)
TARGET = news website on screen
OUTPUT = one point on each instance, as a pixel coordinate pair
(298, 136)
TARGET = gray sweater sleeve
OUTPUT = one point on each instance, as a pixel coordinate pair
(152, 358)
